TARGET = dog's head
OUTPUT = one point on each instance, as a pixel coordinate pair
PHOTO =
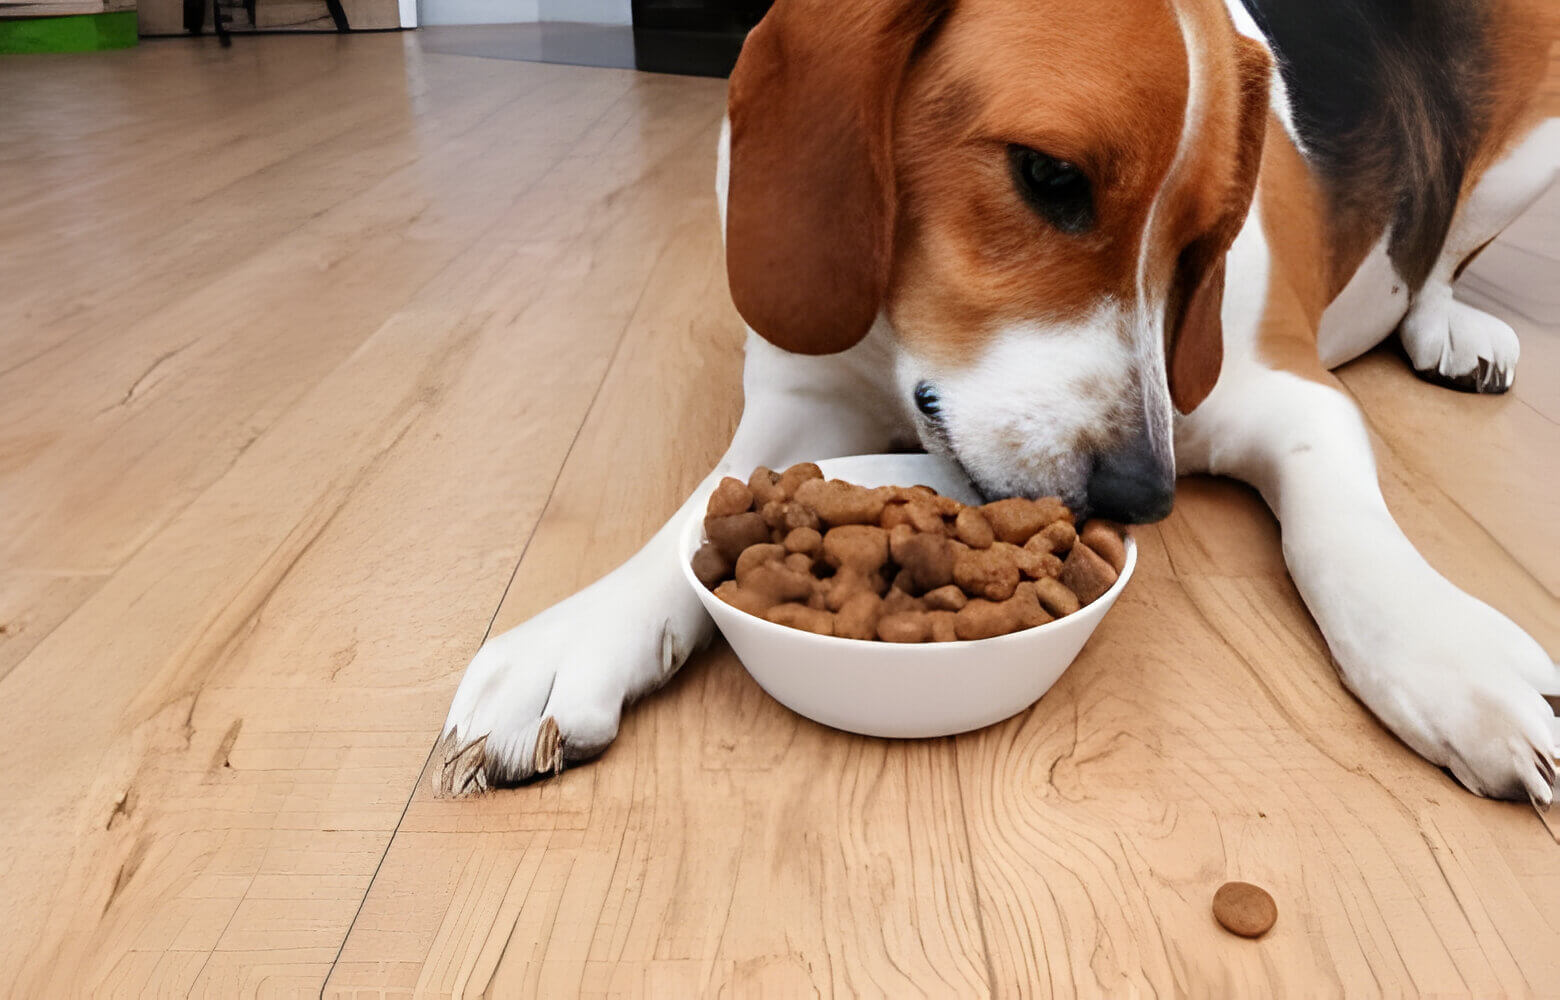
(1037, 196)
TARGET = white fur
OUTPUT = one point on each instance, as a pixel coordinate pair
(1012, 413)
(1455, 679)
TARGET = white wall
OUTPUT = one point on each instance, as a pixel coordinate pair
(512, 11)
(593, 11)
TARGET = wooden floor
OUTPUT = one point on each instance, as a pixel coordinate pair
(321, 357)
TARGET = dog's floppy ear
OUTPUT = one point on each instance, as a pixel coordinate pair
(1194, 346)
(810, 208)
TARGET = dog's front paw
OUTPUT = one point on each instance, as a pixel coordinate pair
(551, 691)
(1453, 344)
(1464, 686)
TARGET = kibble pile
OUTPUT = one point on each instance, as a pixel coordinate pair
(901, 564)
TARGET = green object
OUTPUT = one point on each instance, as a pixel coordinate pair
(72, 33)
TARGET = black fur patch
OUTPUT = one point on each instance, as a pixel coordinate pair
(1386, 97)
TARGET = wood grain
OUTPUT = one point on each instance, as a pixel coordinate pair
(299, 399)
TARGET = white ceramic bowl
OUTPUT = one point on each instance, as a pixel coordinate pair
(892, 689)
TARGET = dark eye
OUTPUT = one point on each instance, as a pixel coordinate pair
(1054, 188)
(926, 400)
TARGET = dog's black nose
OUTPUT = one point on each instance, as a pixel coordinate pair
(1132, 485)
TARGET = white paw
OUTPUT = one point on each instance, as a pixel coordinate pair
(550, 692)
(1456, 345)
(1464, 686)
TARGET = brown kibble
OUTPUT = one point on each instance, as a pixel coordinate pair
(804, 540)
(1056, 598)
(905, 626)
(923, 515)
(927, 558)
(710, 566)
(949, 598)
(802, 617)
(862, 547)
(837, 502)
(788, 515)
(982, 619)
(846, 584)
(943, 629)
(764, 484)
(1052, 509)
(898, 601)
(734, 532)
(1026, 606)
(946, 506)
(1015, 519)
(858, 617)
(835, 558)
(754, 556)
(1244, 909)
(1087, 574)
(973, 529)
(1056, 538)
(743, 599)
(985, 573)
(1105, 539)
(730, 497)
(894, 514)
(791, 479)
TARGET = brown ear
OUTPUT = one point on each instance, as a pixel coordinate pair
(810, 207)
(1194, 346)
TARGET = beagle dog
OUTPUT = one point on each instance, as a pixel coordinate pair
(1082, 248)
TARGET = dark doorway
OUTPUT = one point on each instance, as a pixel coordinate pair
(699, 37)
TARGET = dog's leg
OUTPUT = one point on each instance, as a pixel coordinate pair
(550, 691)
(1455, 679)
(1450, 342)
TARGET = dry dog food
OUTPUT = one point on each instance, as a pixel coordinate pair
(1244, 909)
(899, 564)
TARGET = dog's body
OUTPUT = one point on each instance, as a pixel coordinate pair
(1203, 231)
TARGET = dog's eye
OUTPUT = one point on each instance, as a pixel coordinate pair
(1054, 188)
(926, 400)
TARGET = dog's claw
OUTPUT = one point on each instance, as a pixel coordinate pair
(464, 768)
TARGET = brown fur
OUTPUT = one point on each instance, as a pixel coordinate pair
(1294, 218)
(970, 256)
(810, 215)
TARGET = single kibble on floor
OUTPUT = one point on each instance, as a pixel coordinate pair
(1244, 909)
(898, 563)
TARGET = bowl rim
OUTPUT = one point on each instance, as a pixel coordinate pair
(690, 540)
